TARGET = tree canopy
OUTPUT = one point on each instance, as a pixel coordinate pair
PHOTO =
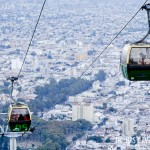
(49, 94)
(101, 76)
(55, 133)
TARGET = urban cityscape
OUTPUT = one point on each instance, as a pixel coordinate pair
(69, 37)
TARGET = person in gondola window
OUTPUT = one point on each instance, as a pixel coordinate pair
(142, 58)
(27, 117)
(21, 117)
(132, 61)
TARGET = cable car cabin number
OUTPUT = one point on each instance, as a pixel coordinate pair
(19, 127)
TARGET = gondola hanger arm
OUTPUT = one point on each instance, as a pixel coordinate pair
(147, 8)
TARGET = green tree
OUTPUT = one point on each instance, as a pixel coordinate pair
(55, 132)
(111, 109)
(84, 124)
(6, 84)
(101, 76)
(97, 139)
(49, 94)
(104, 105)
(18, 148)
(4, 143)
(108, 140)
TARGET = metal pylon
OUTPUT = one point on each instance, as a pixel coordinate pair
(11, 135)
(13, 145)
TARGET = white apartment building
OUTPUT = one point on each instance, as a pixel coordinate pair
(16, 64)
(83, 111)
(128, 127)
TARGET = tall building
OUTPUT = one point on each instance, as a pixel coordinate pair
(16, 64)
(81, 56)
(83, 111)
(128, 127)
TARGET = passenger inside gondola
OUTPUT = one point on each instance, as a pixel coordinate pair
(14, 117)
(140, 56)
(20, 115)
(132, 61)
(21, 118)
(27, 117)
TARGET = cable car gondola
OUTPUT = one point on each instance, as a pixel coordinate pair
(135, 61)
(135, 58)
(19, 117)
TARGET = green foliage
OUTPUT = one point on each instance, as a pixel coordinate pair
(104, 105)
(97, 139)
(78, 135)
(111, 109)
(83, 124)
(20, 100)
(120, 83)
(4, 108)
(6, 83)
(101, 76)
(108, 140)
(4, 143)
(49, 95)
(54, 133)
(50, 146)
(4, 89)
(18, 148)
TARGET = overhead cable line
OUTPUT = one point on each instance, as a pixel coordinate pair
(12, 79)
(99, 55)
(95, 61)
(32, 37)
